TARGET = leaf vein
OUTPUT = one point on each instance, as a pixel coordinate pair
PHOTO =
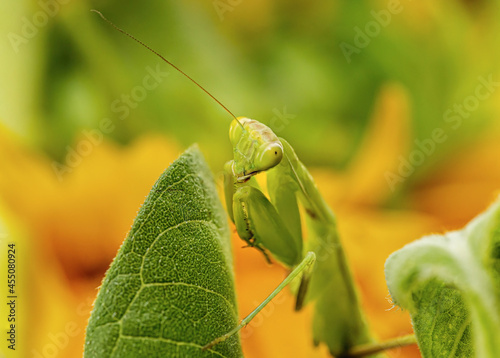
(194, 286)
(164, 232)
(177, 343)
(458, 336)
(209, 223)
(154, 204)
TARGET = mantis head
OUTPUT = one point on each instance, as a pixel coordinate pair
(255, 146)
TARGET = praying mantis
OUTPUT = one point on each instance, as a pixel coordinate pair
(272, 225)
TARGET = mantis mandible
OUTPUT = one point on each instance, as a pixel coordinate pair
(273, 226)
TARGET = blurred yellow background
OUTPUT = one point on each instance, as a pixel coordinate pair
(394, 105)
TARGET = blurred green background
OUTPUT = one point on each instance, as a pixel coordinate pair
(256, 57)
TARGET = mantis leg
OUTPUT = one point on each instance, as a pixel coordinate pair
(338, 320)
(259, 223)
(256, 218)
(304, 266)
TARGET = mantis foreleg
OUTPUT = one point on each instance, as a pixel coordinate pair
(258, 223)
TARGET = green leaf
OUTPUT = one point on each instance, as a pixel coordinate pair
(450, 284)
(170, 289)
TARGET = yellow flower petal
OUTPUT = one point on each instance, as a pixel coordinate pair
(464, 185)
(386, 139)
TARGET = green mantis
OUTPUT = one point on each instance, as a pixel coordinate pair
(272, 224)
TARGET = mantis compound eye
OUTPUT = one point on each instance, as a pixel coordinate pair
(270, 156)
(235, 132)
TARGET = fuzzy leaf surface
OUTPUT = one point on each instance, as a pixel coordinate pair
(170, 289)
(451, 285)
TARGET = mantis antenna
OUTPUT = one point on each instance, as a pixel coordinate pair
(168, 62)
